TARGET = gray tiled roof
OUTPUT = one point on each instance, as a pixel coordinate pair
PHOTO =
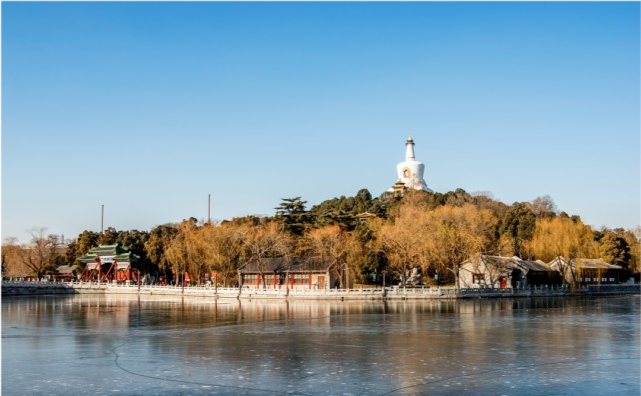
(534, 265)
(64, 269)
(583, 263)
(514, 261)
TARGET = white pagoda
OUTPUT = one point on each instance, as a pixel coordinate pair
(410, 172)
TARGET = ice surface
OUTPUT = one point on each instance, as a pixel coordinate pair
(119, 345)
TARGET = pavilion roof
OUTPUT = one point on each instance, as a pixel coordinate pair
(126, 256)
(108, 250)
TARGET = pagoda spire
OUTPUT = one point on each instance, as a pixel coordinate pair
(409, 149)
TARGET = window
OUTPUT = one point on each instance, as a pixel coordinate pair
(251, 279)
(301, 279)
(478, 279)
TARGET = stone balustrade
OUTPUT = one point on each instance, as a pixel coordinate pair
(20, 288)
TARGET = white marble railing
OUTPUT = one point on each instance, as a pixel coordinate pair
(359, 293)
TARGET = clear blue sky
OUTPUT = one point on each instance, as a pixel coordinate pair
(148, 107)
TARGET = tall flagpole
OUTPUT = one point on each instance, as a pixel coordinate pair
(102, 220)
(209, 209)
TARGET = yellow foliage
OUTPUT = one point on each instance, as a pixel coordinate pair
(338, 247)
(562, 236)
(439, 239)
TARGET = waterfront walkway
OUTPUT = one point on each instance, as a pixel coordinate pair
(18, 288)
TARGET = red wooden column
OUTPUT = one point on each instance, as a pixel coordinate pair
(310, 280)
(115, 266)
(292, 280)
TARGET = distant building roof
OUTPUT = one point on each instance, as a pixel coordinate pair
(582, 263)
(512, 262)
(363, 217)
(65, 270)
(108, 250)
(537, 265)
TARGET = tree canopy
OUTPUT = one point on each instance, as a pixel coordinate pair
(360, 235)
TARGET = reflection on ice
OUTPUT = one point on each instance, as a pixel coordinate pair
(77, 345)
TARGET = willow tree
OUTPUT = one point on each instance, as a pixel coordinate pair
(455, 233)
(403, 239)
(337, 247)
(264, 241)
(198, 254)
(563, 237)
(225, 246)
(177, 256)
(635, 243)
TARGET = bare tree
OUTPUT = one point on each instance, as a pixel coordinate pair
(42, 256)
(543, 206)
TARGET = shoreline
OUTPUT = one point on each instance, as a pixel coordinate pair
(19, 289)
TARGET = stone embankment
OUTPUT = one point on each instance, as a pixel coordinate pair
(390, 293)
(33, 288)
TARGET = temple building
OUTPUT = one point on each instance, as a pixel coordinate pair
(410, 172)
(110, 263)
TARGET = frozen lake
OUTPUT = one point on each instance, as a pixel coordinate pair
(125, 345)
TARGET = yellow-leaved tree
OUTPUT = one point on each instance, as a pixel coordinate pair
(403, 240)
(455, 233)
(439, 239)
(225, 246)
(339, 248)
(264, 241)
(562, 236)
